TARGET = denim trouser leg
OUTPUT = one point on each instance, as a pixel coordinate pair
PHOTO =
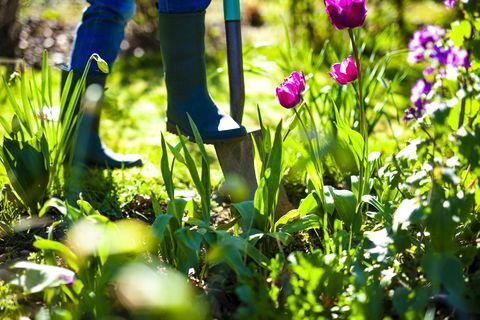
(182, 6)
(102, 28)
(101, 31)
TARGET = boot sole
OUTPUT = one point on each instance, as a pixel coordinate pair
(172, 128)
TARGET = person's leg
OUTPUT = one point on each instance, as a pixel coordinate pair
(182, 6)
(182, 33)
(101, 31)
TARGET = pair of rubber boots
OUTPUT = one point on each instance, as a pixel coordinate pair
(183, 52)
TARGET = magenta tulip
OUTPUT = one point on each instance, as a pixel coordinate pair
(344, 72)
(346, 13)
(289, 94)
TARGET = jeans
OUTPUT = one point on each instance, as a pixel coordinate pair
(102, 28)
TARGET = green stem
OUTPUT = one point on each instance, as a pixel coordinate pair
(363, 120)
(290, 123)
(319, 165)
(461, 118)
(312, 148)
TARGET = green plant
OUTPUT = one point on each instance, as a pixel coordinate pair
(37, 144)
(182, 233)
(9, 301)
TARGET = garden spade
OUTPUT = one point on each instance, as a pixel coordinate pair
(236, 158)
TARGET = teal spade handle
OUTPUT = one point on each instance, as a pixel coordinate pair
(236, 80)
(231, 10)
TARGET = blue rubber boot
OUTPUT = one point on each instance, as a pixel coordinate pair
(89, 149)
(183, 51)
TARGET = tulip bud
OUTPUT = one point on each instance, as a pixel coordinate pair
(346, 13)
(289, 94)
(344, 72)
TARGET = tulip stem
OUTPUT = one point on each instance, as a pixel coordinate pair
(363, 121)
(304, 129)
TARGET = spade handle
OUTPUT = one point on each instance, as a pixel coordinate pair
(234, 58)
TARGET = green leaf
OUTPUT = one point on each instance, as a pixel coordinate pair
(160, 226)
(221, 252)
(27, 170)
(54, 203)
(246, 247)
(345, 205)
(188, 250)
(308, 205)
(311, 221)
(266, 196)
(444, 269)
(290, 216)
(404, 213)
(70, 258)
(384, 211)
(87, 208)
(38, 277)
(250, 218)
(165, 169)
(460, 31)
(177, 208)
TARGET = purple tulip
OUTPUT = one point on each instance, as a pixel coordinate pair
(344, 72)
(289, 94)
(449, 3)
(346, 13)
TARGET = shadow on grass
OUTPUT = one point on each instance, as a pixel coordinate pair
(98, 187)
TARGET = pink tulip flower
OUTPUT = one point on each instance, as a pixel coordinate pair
(344, 72)
(289, 94)
(346, 13)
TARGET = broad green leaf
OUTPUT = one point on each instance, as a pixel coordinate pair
(250, 218)
(290, 216)
(311, 221)
(308, 205)
(345, 205)
(87, 208)
(460, 31)
(444, 269)
(177, 208)
(188, 249)
(38, 277)
(406, 209)
(27, 170)
(70, 258)
(160, 226)
(247, 248)
(54, 203)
